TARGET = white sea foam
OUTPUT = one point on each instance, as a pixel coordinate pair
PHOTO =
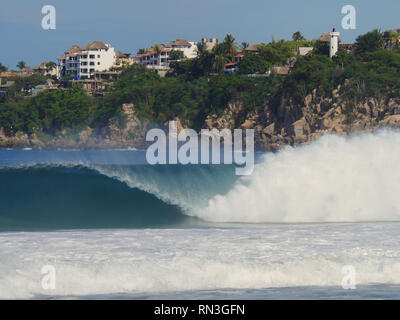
(167, 261)
(334, 179)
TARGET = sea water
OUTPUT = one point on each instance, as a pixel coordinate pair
(113, 227)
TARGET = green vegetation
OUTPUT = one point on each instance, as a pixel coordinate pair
(369, 42)
(3, 68)
(197, 87)
(160, 99)
(176, 55)
(50, 65)
(253, 63)
(20, 65)
(49, 111)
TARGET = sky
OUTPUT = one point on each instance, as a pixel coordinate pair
(129, 25)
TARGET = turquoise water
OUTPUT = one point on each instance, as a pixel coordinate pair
(115, 228)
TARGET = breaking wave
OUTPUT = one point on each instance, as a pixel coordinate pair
(334, 179)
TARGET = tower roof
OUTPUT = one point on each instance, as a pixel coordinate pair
(326, 37)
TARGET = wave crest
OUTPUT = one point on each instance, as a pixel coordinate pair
(334, 179)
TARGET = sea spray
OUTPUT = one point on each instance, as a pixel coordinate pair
(331, 180)
(138, 263)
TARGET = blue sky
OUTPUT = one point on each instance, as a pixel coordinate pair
(130, 24)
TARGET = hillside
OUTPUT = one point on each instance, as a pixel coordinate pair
(354, 92)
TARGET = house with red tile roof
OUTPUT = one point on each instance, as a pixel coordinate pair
(83, 62)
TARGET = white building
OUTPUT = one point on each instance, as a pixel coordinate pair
(189, 49)
(45, 70)
(153, 60)
(334, 43)
(160, 60)
(83, 62)
(303, 51)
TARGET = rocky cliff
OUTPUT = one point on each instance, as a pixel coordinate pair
(295, 124)
(276, 124)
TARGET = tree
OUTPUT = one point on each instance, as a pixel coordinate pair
(297, 36)
(157, 52)
(309, 73)
(277, 52)
(141, 51)
(229, 45)
(176, 55)
(2, 68)
(157, 49)
(21, 65)
(343, 58)
(50, 65)
(369, 42)
(244, 45)
(218, 62)
(253, 63)
(321, 48)
(201, 49)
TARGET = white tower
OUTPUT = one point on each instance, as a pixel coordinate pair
(334, 43)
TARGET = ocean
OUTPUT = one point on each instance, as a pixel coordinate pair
(320, 221)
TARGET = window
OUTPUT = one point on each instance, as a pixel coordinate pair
(98, 63)
(98, 56)
(92, 56)
(92, 63)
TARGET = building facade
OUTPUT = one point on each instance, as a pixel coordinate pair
(123, 59)
(153, 60)
(83, 62)
(209, 43)
(45, 69)
(334, 43)
(158, 56)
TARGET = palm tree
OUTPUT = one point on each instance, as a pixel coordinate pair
(157, 52)
(50, 65)
(201, 49)
(218, 63)
(229, 45)
(21, 65)
(204, 58)
(244, 45)
(2, 68)
(297, 36)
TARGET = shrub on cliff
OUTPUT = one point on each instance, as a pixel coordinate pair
(309, 73)
(253, 63)
(50, 111)
(369, 42)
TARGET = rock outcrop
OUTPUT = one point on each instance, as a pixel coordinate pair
(295, 124)
(276, 124)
